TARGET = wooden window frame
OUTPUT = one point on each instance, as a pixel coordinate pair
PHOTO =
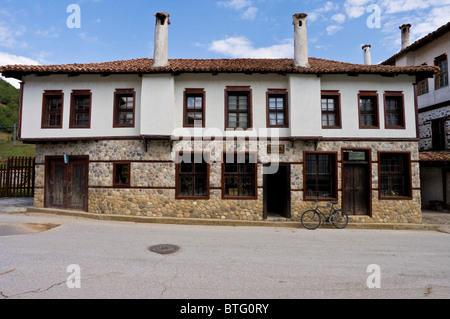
(178, 175)
(116, 184)
(437, 78)
(389, 174)
(45, 112)
(277, 93)
(117, 94)
(372, 95)
(423, 87)
(335, 177)
(73, 111)
(395, 94)
(193, 93)
(255, 173)
(239, 90)
(336, 96)
(438, 139)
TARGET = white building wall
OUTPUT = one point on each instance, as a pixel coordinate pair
(102, 89)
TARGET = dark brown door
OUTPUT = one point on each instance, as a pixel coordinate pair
(67, 184)
(356, 189)
(277, 192)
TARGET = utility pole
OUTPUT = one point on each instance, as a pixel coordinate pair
(15, 134)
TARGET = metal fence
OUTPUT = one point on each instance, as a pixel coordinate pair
(17, 177)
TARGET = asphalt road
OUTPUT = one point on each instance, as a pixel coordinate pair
(48, 256)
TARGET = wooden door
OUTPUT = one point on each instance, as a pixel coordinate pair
(67, 184)
(356, 189)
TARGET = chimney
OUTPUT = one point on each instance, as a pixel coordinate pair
(300, 41)
(367, 57)
(406, 38)
(160, 57)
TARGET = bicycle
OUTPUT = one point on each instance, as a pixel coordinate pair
(311, 219)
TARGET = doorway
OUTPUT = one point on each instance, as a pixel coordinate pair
(66, 184)
(357, 181)
(277, 192)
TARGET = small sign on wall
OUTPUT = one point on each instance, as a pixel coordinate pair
(273, 148)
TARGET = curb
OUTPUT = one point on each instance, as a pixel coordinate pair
(228, 222)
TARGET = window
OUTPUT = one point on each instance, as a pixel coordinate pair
(395, 179)
(52, 109)
(441, 79)
(239, 176)
(368, 109)
(320, 176)
(194, 108)
(121, 174)
(422, 87)
(277, 108)
(394, 110)
(80, 109)
(238, 107)
(331, 113)
(124, 108)
(192, 174)
(438, 134)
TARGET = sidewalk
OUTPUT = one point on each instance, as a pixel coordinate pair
(432, 220)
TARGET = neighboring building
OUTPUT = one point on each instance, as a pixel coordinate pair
(433, 96)
(120, 137)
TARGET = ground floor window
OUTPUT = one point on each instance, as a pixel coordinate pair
(320, 176)
(192, 177)
(395, 176)
(239, 176)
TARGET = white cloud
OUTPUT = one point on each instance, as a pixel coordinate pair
(9, 36)
(241, 47)
(249, 11)
(319, 12)
(332, 29)
(338, 18)
(355, 8)
(9, 59)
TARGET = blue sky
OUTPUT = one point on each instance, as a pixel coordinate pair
(36, 31)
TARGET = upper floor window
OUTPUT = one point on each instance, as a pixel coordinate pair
(52, 109)
(422, 87)
(277, 108)
(80, 109)
(368, 109)
(238, 109)
(441, 77)
(124, 108)
(438, 134)
(331, 109)
(394, 110)
(194, 108)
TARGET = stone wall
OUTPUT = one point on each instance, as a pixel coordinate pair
(152, 189)
(425, 129)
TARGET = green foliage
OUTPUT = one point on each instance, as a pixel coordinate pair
(9, 106)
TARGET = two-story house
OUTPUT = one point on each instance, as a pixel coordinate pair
(433, 97)
(225, 138)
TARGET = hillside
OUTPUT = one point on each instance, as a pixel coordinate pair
(9, 106)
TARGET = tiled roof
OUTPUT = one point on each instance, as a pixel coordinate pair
(440, 156)
(419, 43)
(144, 65)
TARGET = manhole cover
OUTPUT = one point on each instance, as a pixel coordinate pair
(164, 249)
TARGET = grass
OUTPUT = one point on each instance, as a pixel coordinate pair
(8, 149)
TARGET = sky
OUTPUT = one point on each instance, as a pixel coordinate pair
(57, 32)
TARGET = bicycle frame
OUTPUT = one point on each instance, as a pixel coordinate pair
(332, 210)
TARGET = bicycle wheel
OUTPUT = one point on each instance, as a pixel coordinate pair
(311, 219)
(339, 219)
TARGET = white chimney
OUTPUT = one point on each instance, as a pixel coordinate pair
(300, 41)
(406, 37)
(161, 57)
(367, 57)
